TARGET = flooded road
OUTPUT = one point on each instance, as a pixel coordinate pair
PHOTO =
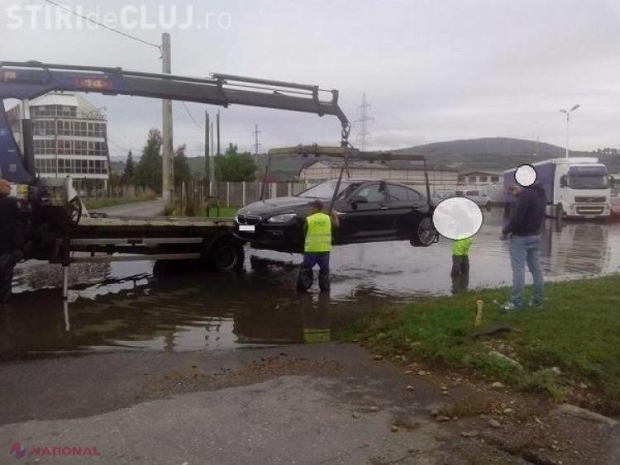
(126, 306)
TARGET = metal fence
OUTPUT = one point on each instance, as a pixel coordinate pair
(237, 194)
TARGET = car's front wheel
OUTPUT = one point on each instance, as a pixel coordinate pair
(425, 233)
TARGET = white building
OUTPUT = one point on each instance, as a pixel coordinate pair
(480, 178)
(70, 138)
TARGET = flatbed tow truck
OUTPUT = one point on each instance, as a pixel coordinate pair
(60, 230)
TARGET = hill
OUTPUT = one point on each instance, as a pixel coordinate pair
(499, 153)
(486, 154)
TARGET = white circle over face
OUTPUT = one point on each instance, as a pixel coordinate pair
(525, 175)
(457, 218)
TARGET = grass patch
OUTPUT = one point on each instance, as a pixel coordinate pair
(574, 339)
(224, 212)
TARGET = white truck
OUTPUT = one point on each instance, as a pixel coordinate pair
(575, 187)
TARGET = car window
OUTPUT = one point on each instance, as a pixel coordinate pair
(473, 193)
(371, 193)
(325, 190)
(397, 192)
(415, 195)
(348, 191)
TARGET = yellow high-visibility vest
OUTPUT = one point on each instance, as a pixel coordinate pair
(319, 234)
(460, 247)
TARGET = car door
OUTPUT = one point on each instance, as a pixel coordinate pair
(404, 206)
(364, 216)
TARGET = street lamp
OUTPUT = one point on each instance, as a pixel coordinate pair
(567, 120)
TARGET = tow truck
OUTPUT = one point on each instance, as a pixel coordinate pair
(57, 223)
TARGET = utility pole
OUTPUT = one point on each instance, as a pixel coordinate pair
(212, 150)
(167, 149)
(207, 158)
(218, 132)
(363, 133)
(256, 144)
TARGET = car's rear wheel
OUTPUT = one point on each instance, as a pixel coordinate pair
(425, 234)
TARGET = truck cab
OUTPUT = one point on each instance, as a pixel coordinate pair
(583, 190)
(575, 187)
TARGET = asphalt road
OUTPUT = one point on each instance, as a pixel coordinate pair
(327, 404)
(153, 208)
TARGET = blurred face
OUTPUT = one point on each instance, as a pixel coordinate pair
(5, 188)
(514, 190)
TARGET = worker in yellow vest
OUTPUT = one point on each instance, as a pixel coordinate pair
(317, 246)
(460, 264)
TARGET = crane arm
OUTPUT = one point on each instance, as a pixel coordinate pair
(27, 80)
(31, 79)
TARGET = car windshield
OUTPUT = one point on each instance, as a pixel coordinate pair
(326, 189)
(588, 177)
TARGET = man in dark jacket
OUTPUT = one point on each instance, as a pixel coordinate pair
(9, 237)
(524, 231)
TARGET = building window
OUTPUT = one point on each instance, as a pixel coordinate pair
(471, 179)
(483, 178)
(494, 178)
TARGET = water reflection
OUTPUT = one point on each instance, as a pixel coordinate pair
(576, 248)
(315, 317)
(460, 283)
(179, 312)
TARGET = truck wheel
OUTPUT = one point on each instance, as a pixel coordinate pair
(226, 254)
(74, 211)
(559, 213)
(425, 234)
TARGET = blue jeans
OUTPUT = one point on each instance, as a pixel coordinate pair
(316, 258)
(525, 249)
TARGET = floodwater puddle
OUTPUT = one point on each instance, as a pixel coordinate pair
(125, 306)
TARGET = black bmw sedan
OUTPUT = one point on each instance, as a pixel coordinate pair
(369, 211)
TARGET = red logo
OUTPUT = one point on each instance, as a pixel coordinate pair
(17, 450)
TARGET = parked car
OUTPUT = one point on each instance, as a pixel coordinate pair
(369, 211)
(479, 197)
(438, 196)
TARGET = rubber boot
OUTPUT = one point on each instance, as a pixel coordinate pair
(324, 283)
(304, 280)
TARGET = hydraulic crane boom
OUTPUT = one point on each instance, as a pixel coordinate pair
(27, 80)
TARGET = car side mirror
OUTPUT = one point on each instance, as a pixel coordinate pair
(563, 181)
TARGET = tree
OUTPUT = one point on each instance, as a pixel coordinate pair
(182, 170)
(234, 166)
(148, 172)
(128, 174)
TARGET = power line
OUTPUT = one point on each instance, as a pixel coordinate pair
(102, 25)
(110, 139)
(192, 117)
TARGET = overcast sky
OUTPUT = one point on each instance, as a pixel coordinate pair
(432, 70)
